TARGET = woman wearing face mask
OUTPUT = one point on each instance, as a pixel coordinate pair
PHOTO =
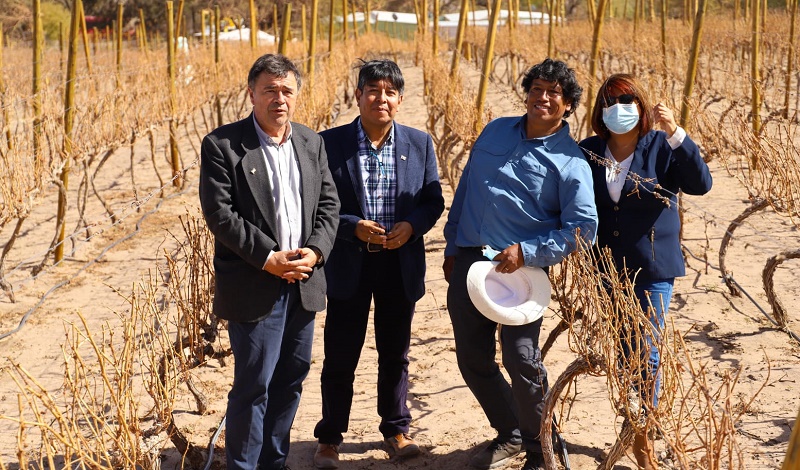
(628, 159)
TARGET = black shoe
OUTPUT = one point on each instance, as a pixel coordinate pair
(534, 461)
(495, 455)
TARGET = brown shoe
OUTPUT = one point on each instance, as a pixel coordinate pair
(403, 445)
(326, 456)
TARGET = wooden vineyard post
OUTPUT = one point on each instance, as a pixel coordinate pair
(218, 100)
(435, 27)
(368, 17)
(85, 37)
(345, 28)
(253, 26)
(38, 58)
(330, 29)
(275, 23)
(755, 76)
(596, 34)
(792, 460)
(688, 86)
(9, 140)
(176, 31)
(312, 38)
(664, 33)
(303, 26)
(118, 41)
(487, 65)
(691, 69)
(462, 25)
(173, 142)
(144, 31)
(790, 59)
(69, 116)
(551, 28)
(355, 20)
(287, 17)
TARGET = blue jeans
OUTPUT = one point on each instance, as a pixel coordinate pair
(271, 359)
(654, 297)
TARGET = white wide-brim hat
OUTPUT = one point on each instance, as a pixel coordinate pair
(516, 298)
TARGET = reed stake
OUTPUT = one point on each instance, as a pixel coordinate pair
(69, 120)
(173, 105)
(462, 25)
(312, 38)
(593, 59)
(253, 26)
(287, 17)
(790, 59)
(691, 69)
(487, 65)
(755, 74)
(38, 57)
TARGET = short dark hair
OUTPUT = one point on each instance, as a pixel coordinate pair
(273, 64)
(556, 71)
(620, 84)
(380, 69)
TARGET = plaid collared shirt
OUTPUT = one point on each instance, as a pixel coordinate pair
(379, 177)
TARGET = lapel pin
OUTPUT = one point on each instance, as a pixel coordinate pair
(402, 157)
(252, 171)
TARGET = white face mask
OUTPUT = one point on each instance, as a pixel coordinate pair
(621, 118)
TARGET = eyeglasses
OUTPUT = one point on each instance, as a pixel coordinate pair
(627, 98)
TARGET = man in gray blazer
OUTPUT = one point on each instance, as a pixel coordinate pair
(388, 183)
(270, 202)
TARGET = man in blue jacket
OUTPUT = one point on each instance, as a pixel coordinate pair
(388, 184)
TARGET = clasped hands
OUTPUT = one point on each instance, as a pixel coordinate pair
(369, 231)
(292, 265)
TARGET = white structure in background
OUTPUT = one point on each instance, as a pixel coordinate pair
(402, 23)
(448, 24)
(380, 16)
(243, 34)
(359, 19)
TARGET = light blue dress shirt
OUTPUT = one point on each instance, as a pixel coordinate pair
(536, 192)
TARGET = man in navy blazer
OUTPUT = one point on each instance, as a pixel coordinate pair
(269, 200)
(388, 185)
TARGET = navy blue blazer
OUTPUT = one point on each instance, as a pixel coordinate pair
(641, 229)
(419, 202)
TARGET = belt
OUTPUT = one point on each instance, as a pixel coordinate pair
(374, 247)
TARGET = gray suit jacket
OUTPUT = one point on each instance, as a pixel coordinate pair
(239, 211)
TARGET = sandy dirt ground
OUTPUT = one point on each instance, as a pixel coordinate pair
(722, 331)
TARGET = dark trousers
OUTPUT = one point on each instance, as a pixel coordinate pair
(271, 358)
(345, 332)
(514, 410)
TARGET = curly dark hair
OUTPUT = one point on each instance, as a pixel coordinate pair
(556, 71)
